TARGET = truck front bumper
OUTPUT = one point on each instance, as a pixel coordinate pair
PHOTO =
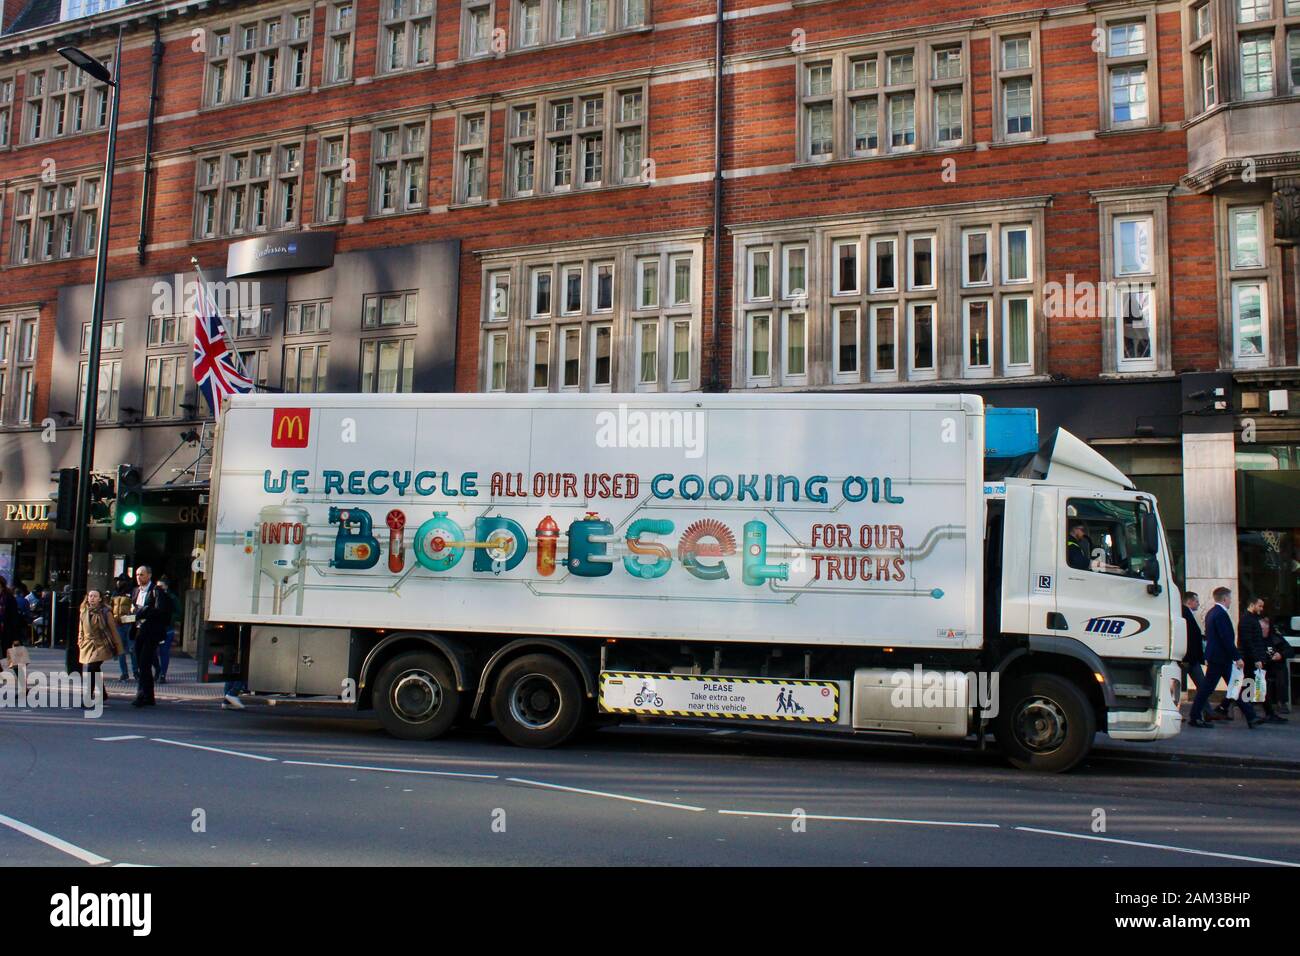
(1164, 721)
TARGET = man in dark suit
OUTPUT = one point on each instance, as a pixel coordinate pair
(1220, 655)
(1194, 657)
(152, 613)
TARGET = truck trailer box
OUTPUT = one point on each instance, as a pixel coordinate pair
(827, 519)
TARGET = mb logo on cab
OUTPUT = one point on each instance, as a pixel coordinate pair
(1119, 625)
(290, 427)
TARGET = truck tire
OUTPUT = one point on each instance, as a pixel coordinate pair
(1044, 722)
(537, 701)
(416, 697)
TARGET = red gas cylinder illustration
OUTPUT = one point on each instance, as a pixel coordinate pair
(396, 521)
(548, 533)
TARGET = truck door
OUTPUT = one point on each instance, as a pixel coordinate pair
(1105, 596)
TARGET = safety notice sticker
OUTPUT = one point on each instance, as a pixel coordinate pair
(691, 695)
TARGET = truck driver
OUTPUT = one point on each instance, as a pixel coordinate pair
(1078, 549)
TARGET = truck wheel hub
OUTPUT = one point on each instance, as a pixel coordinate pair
(1040, 725)
(416, 695)
(535, 702)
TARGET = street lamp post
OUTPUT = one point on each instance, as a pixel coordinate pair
(81, 529)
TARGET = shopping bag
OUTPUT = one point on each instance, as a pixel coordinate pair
(1261, 686)
(1234, 682)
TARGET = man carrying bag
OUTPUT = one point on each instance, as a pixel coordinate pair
(1220, 656)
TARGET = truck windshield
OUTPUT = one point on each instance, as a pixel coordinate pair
(1106, 537)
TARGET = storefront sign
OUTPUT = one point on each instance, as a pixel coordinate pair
(24, 519)
(286, 250)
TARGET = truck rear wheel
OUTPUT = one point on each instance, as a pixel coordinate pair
(537, 701)
(416, 696)
(1044, 722)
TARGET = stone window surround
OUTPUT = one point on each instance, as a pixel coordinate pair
(841, 59)
(466, 23)
(416, 10)
(1112, 203)
(618, 13)
(8, 108)
(332, 33)
(1192, 48)
(1034, 73)
(80, 247)
(275, 177)
(1270, 273)
(323, 170)
(89, 87)
(624, 318)
(612, 126)
(1280, 23)
(460, 195)
(947, 224)
(1105, 62)
(287, 42)
(423, 117)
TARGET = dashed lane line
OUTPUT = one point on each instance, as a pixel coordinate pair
(215, 750)
(1157, 846)
(121, 737)
(816, 816)
(50, 840)
(352, 766)
(611, 796)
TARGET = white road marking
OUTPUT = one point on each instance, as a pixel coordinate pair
(816, 816)
(63, 846)
(612, 796)
(122, 737)
(215, 750)
(1158, 846)
(432, 773)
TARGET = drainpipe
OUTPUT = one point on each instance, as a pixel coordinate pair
(145, 188)
(715, 350)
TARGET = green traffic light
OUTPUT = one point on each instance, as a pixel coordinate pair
(130, 519)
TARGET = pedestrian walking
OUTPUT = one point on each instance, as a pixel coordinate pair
(1194, 655)
(169, 636)
(1220, 654)
(11, 621)
(121, 608)
(97, 641)
(151, 612)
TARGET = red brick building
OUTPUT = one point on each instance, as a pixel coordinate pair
(1070, 206)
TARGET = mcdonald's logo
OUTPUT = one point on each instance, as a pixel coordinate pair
(290, 427)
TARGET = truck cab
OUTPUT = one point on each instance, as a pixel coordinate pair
(1086, 577)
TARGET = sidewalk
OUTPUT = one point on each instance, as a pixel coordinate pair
(1230, 742)
(182, 677)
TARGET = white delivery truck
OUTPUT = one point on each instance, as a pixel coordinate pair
(834, 562)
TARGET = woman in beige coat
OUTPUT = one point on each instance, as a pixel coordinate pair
(97, 639)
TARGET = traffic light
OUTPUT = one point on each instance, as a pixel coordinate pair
(130, 498)
(65, 502)
(101, 496)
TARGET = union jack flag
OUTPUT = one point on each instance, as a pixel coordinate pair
(217, 370)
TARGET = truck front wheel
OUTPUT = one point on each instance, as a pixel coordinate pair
(1044, 722)
(416, 696)
(537, 701)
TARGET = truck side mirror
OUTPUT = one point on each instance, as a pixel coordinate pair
(1150, 533)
